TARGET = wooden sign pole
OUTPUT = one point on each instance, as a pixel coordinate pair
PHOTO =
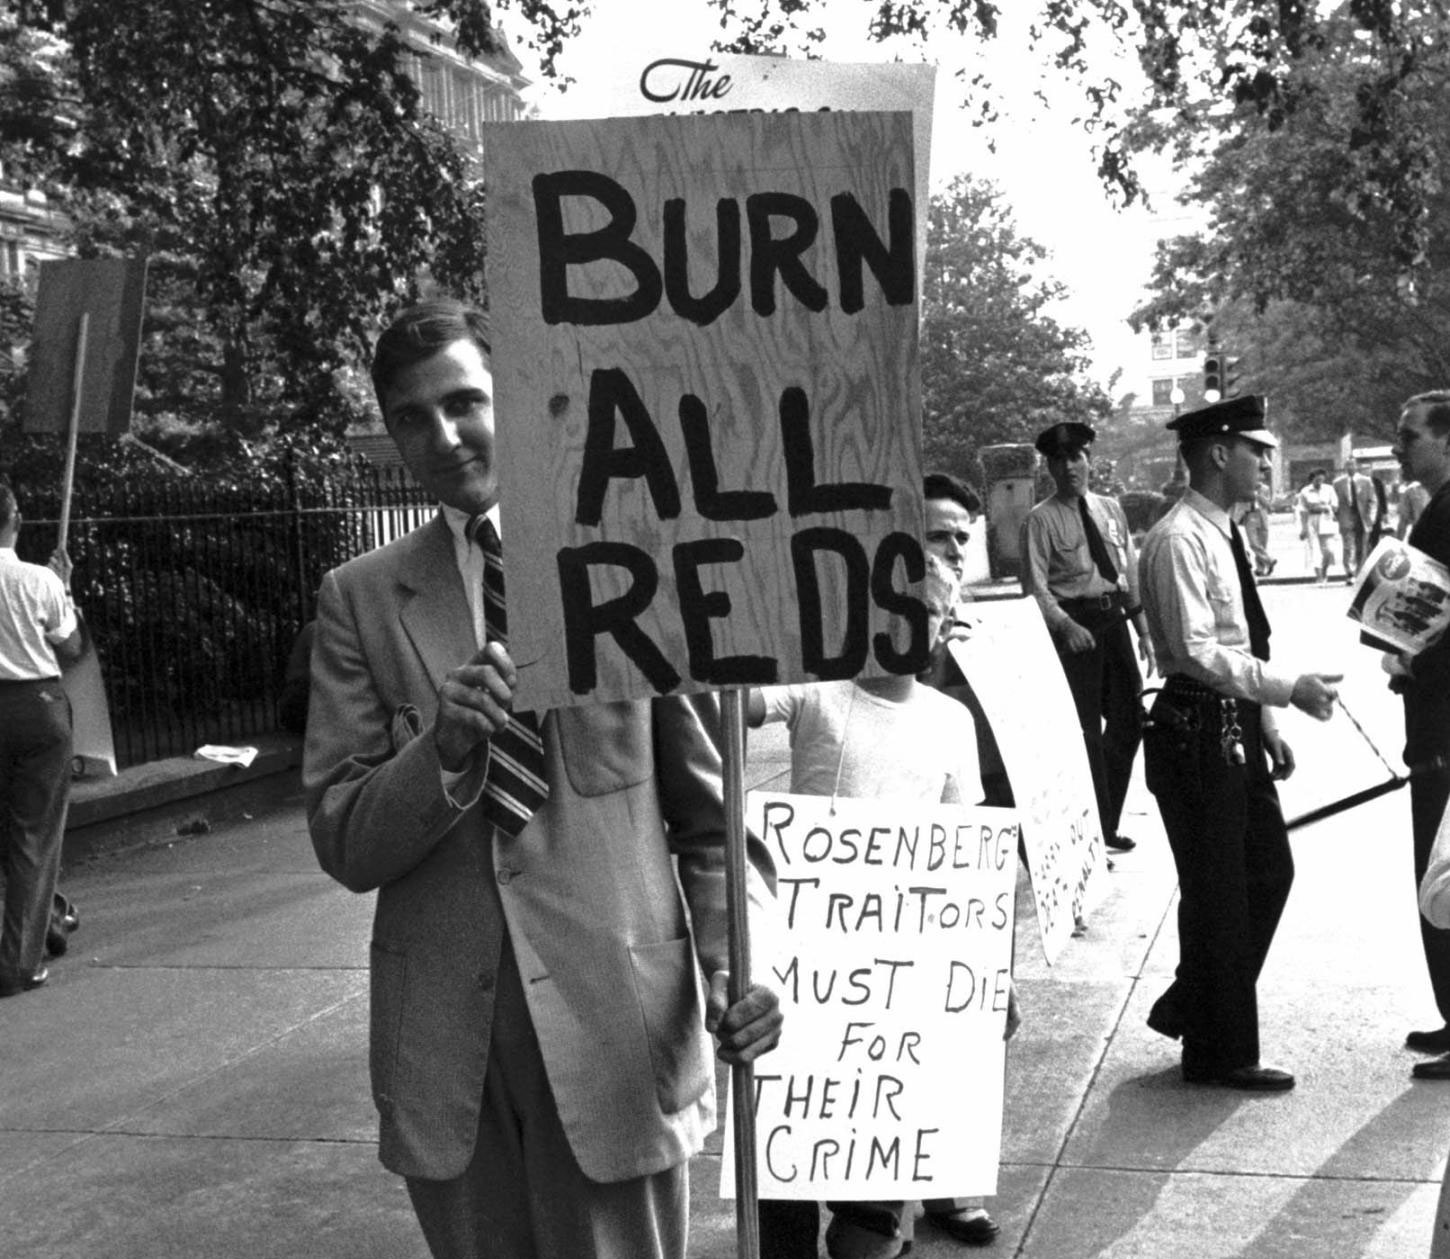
(742, 1077)
(73, 428)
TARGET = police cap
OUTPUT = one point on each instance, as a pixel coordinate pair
(1065, 438)
(1237, 417)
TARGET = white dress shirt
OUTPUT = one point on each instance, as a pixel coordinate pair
(1195, 608)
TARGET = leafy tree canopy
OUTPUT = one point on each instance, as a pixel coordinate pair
(1323, 268)
(1197, 57)
(272, 160)
(995, 366)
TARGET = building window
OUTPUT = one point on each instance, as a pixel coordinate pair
(12, 261)
(1189, 342)
(1163, 392)
(1162, 345)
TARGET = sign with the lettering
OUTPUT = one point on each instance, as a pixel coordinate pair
(893, 964)
(665, 81)
(705, 362)
(1013, 667)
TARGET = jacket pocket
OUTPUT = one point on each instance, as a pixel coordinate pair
(385, 1020)
(666, 980)
(607, 747)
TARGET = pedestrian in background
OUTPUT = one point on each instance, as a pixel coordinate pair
(1315, 506)
(1080, 566)
(1356, 511)
(40, 633)
(1422, 445)
(1213, 750)
(1255, 524)
(549, 886)
(1381, 524)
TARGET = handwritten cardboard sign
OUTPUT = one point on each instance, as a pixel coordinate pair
(705, 365)
(893, 962)
(111, 293)
(1012, 666)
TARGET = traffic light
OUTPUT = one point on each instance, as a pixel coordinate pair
(1212, 376)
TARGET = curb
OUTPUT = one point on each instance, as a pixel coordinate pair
(156, 783)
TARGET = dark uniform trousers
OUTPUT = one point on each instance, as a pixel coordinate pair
(35, 765)
(1235, 868)
(1107, 688)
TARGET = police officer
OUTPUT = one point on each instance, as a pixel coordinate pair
(1079, 564)
(1212, 750)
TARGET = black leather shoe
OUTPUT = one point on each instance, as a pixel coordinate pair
(1432, 1069)
(30, 982)
(1254, 1079)
(971, 1227)
(1164, 1019)
(64, 913)
(1121, 843)
(1436, 1042)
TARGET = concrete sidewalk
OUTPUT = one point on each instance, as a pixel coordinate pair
(193, 1081)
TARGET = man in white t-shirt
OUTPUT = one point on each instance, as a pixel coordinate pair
(891, 738)
(39, 632)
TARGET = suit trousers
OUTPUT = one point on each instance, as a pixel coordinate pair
(1429, 795)
(523, 1195)
(1226, 831)
(35, 765)
(1107, 689)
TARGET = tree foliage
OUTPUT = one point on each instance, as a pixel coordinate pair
(995, 366)
(272, 160)
(1322, 268)
(1195, 57)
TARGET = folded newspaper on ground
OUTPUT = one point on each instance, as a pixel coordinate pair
(226, 755)
(1403, 597)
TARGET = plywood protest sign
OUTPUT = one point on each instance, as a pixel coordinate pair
(893, 961)
(1012, 666)
(642, 80)
(705, 362)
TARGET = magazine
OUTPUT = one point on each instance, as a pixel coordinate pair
(1402, 597)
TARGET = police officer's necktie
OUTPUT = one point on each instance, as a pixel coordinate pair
(515, 785)
(1253, 609)
(1097, 548)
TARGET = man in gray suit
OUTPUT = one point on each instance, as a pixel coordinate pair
(539, 1054)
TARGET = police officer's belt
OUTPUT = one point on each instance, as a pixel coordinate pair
(1179, 686)
(1093, 603)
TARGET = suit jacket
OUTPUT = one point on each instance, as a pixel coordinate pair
(1351, 493)
(588, 891)
(1427, 697)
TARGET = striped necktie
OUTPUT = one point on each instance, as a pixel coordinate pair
(515, 786)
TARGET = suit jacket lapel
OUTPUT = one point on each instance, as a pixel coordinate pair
(434, 610)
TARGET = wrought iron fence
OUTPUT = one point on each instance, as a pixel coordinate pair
(194, 592)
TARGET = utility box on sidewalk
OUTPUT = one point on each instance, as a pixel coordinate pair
(1010, 489)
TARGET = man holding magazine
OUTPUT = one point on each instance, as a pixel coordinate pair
(1422, 445)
